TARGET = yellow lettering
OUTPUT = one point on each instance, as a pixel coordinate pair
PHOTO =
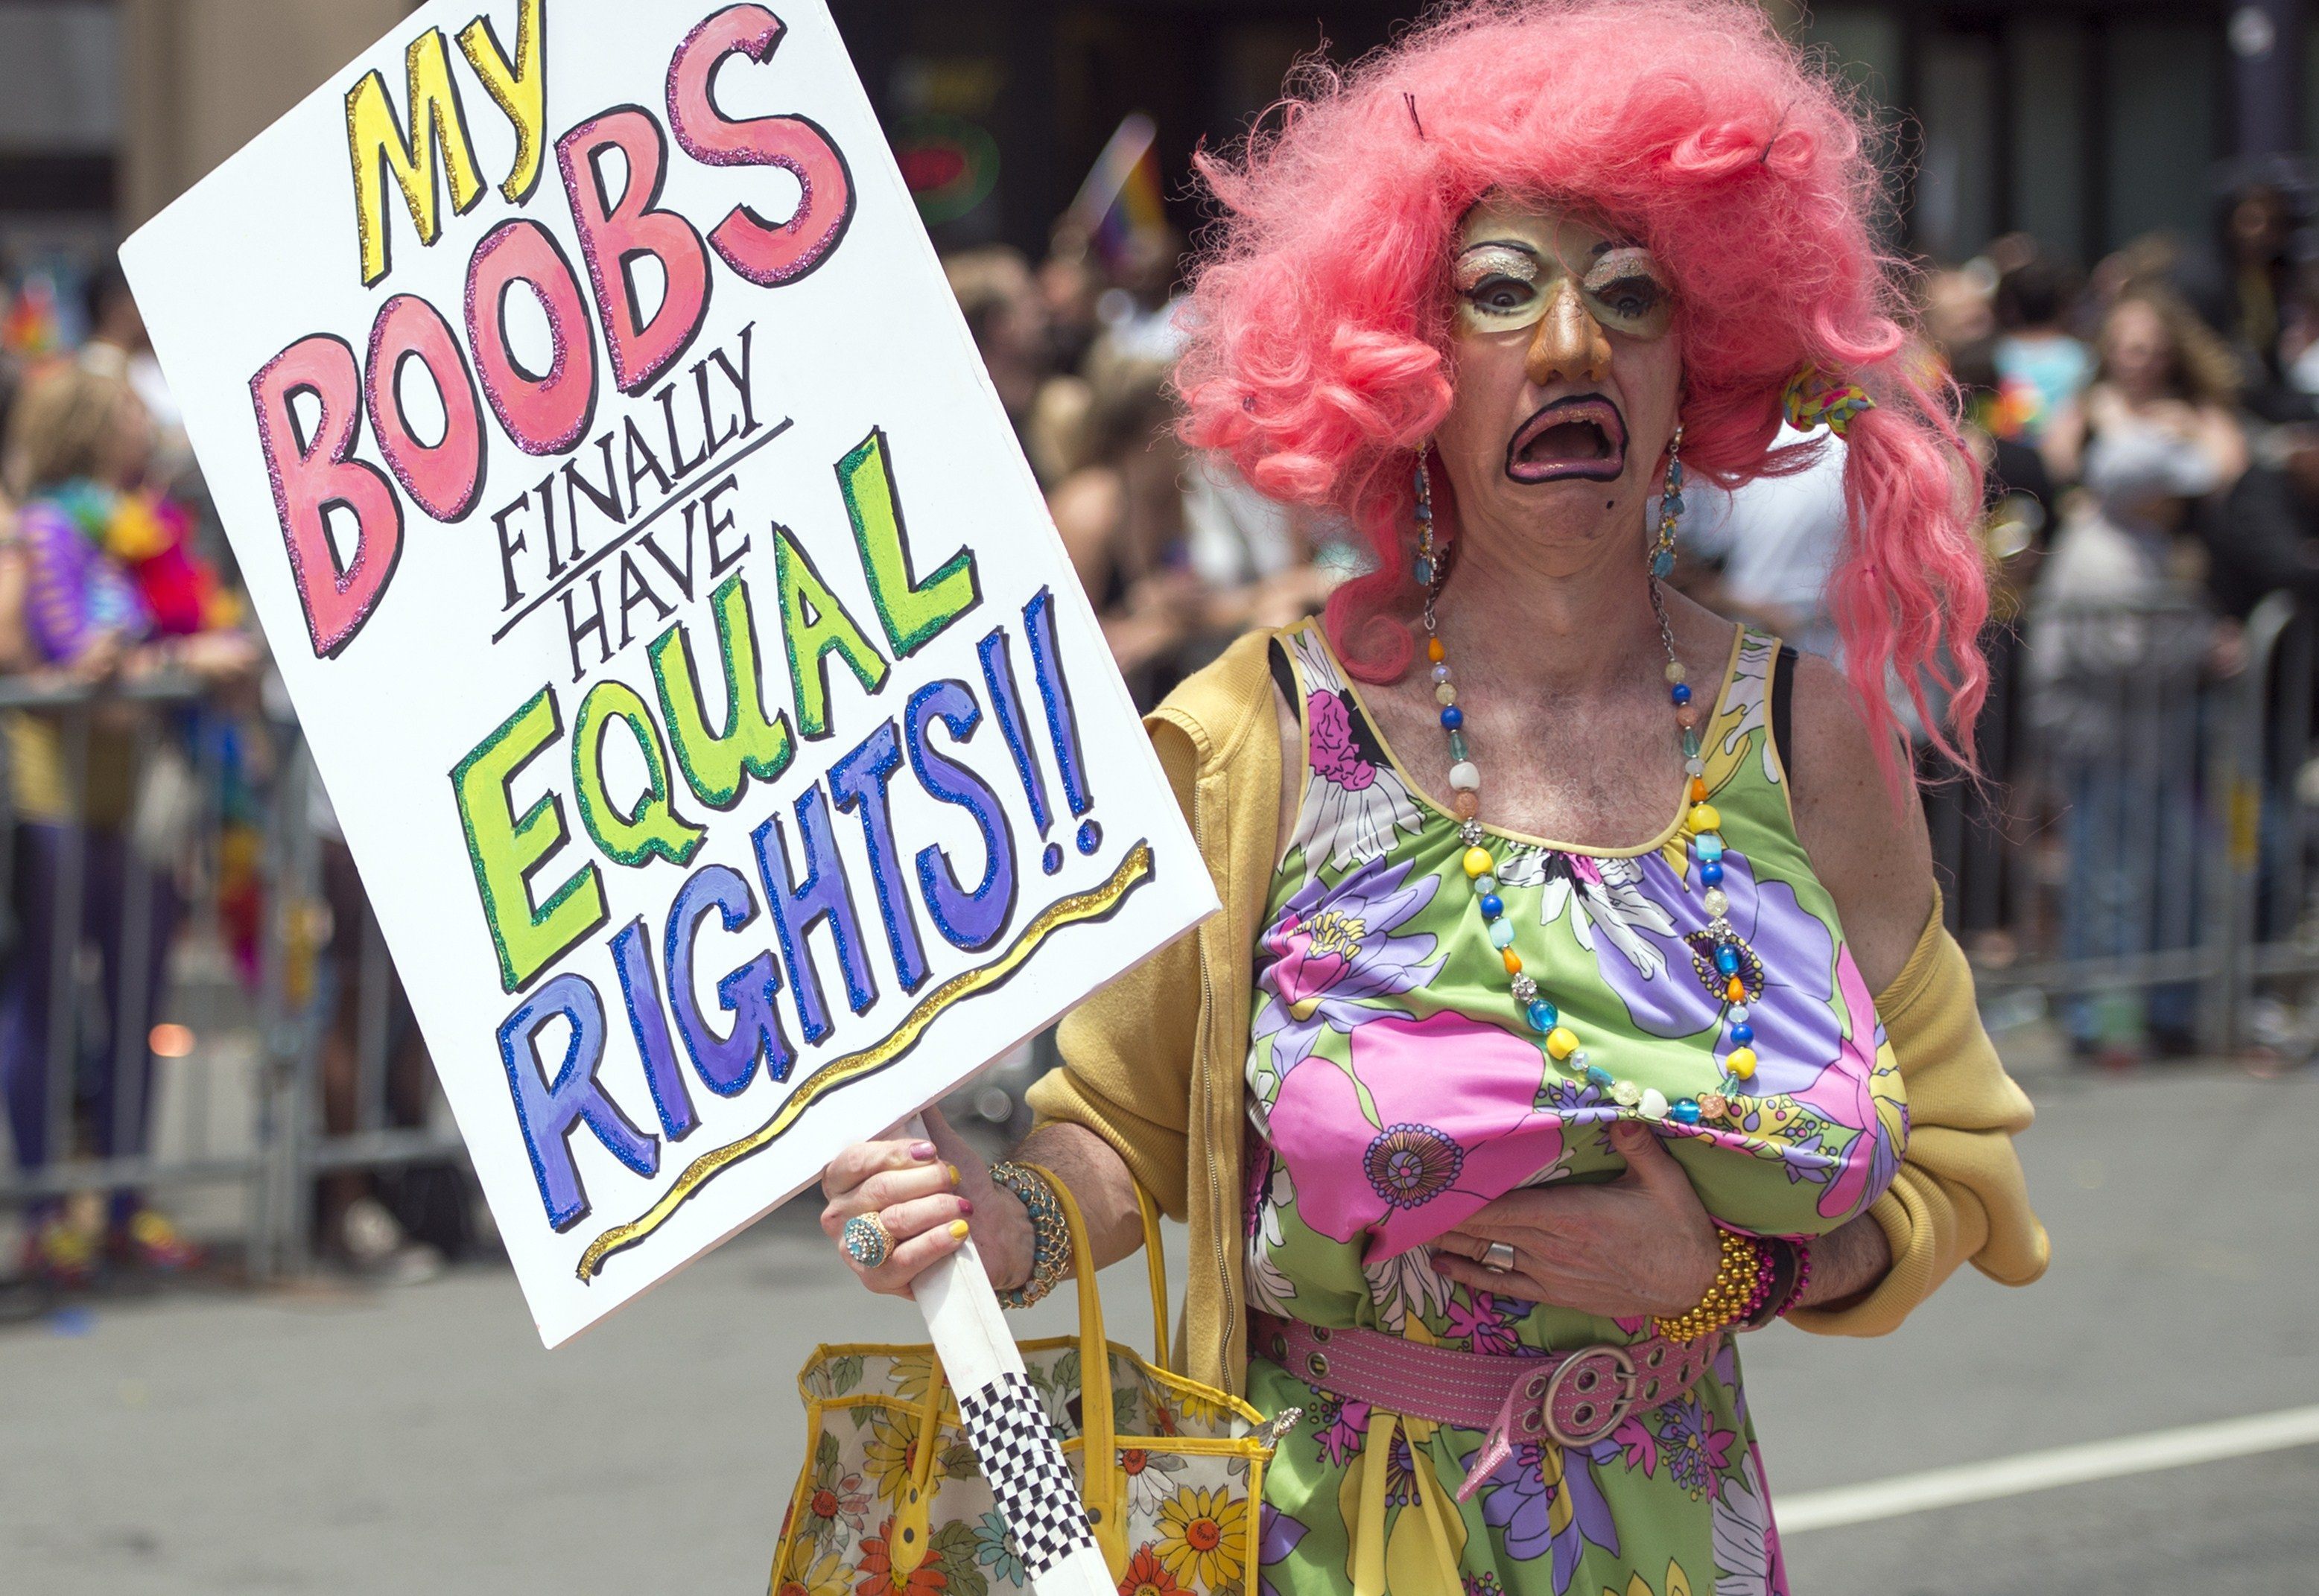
(378, 147)
(519, 86)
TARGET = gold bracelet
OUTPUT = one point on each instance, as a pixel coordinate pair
(1727, 1295)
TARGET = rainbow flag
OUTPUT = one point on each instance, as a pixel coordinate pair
(1121, 198)
(29, 325)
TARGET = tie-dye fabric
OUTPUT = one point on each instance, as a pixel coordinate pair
(1394, 1089)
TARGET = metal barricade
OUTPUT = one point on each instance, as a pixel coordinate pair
(361, 1098)
(84, 870)
(2263, 901)
(2142, 838)
(130, 812)
(2134, 857)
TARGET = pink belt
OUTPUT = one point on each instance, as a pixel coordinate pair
(1573, 1399)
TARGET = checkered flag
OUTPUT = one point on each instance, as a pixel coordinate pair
(1007, 1426)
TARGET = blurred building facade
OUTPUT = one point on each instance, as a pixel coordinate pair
(110, 108)
(2086, 123)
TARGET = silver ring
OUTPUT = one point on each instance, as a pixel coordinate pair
(1498, 1257)
(866, 1240)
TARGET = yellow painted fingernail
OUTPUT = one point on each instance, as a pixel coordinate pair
(954, 1173)
(958, 1228)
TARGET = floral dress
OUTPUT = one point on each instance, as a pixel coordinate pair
(1394, 1089)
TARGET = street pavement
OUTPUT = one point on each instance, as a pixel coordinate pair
(328, 1439)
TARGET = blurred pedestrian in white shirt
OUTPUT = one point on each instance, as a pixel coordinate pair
(1777, 539)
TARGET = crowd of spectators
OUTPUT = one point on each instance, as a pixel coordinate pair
(2150, 431)
(104, 584)
(2149, 434)
(1177, 553)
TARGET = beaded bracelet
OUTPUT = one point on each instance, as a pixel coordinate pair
(1779, 1285)
(1767, 1275)
(1742, 1280)
(1802, 1250)
(1050, 1233)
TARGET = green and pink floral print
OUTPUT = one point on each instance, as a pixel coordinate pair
(1395, 1088)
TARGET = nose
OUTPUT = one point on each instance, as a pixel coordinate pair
(1569, 346)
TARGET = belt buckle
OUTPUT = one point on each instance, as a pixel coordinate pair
(1598, 1386)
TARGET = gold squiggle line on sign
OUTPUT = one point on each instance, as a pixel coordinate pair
(1096, 903)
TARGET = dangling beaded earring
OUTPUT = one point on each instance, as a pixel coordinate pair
(1670, 507)
(1426, 564)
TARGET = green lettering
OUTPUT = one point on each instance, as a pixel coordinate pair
(655, 827)
(912, 612)
(812, 623)
(714, 763)
(506, 848)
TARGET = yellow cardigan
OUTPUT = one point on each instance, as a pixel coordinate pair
(1154, 1062)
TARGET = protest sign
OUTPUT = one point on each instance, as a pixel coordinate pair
(726, 745)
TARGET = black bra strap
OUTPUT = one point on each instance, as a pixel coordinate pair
(1784, 694)
(1283, 675)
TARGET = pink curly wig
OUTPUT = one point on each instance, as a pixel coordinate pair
(1319, 317)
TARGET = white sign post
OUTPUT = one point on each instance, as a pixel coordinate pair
(730, 756)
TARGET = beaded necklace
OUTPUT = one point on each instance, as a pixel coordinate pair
(1719, 949)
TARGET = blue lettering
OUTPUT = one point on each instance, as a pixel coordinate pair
(550, 1109)
(860, 780)
(798, 908)
(640, 990)
(725, 1063)
(970, 919)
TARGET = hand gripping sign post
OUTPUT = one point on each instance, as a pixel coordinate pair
(730, 756)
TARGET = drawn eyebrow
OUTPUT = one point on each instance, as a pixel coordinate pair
(1629, 260)
(1513, 244)
(1607, 244)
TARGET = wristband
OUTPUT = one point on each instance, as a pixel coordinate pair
(1802, 1250)
(1791, 1273)
(1051, 1234)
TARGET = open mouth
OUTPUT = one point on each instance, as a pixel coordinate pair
(1583, 436)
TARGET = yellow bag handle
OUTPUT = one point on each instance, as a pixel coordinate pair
(1104, 1484)
(909, 1541)
(1156, 1262)
(1105, 1488)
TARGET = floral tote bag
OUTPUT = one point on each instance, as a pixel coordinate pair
(892, 1502)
